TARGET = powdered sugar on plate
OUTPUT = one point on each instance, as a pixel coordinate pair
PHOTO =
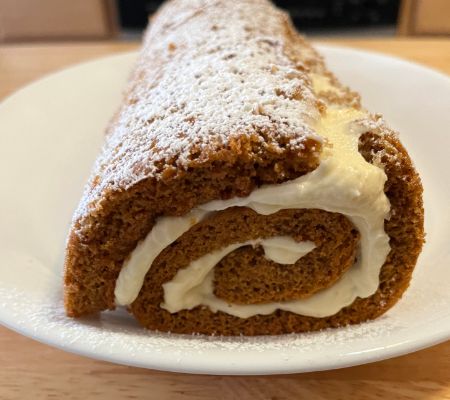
(100, 336)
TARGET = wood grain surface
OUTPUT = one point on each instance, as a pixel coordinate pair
(30, 370)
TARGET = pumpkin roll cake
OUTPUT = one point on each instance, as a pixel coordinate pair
(242, 189)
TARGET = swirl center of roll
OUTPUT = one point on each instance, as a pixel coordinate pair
(194, 285)
(344, 183)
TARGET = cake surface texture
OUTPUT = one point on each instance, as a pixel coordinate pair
(241, 188)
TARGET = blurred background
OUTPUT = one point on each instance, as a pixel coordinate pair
(49, 20)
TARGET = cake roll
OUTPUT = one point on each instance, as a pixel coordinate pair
(241, 188)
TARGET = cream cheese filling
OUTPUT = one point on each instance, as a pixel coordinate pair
(193, 286)
(343, 182)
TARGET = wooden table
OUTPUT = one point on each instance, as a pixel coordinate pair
(30, 370)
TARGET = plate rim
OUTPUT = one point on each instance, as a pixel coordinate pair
(351, 359)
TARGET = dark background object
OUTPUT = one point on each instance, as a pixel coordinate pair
(308, 15)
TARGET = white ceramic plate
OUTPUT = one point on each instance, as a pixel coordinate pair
(50, 133)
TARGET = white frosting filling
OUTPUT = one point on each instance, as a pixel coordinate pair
(165, 232)
(193, 286)
(283, 249)
(343, 183)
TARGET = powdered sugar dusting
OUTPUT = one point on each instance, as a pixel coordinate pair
(227, 73)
